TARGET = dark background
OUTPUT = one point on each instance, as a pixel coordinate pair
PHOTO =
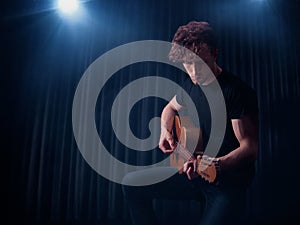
(43, 56)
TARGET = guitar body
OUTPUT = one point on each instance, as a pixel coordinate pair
(190, 137)
(189, 145)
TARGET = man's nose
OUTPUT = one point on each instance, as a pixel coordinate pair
(195, 68)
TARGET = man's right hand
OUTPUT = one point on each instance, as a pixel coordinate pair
(166, 142)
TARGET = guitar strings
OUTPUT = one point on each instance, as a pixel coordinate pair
(180, 149)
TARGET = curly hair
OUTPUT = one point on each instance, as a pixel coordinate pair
(194, 36)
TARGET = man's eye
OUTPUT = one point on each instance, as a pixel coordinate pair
(202, 63)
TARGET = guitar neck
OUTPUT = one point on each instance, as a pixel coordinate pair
(183, 152)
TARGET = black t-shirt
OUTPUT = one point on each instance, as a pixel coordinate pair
(240, 99)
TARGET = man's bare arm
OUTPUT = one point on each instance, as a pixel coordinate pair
(246, 131)
(166, 143)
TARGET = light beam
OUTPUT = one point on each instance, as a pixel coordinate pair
(68, 6)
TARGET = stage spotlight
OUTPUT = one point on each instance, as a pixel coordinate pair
(68, 6)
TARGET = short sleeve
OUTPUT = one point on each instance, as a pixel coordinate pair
(242, 101)
(179, 97)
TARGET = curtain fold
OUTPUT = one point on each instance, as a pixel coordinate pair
(50, 182)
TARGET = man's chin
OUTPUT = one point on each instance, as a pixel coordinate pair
(197, 82)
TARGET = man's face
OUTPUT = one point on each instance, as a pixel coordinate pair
(201, 69)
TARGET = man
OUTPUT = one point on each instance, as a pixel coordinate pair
(223, 202)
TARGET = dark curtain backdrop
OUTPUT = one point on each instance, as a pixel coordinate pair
(43, 57)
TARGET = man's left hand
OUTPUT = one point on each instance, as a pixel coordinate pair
(190, 168)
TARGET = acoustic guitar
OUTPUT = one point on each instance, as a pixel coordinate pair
(189, 144)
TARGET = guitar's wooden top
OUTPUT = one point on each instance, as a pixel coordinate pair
(189, 144)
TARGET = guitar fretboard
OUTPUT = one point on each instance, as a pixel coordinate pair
(183, 152)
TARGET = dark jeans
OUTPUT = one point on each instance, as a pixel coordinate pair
(222, 204)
